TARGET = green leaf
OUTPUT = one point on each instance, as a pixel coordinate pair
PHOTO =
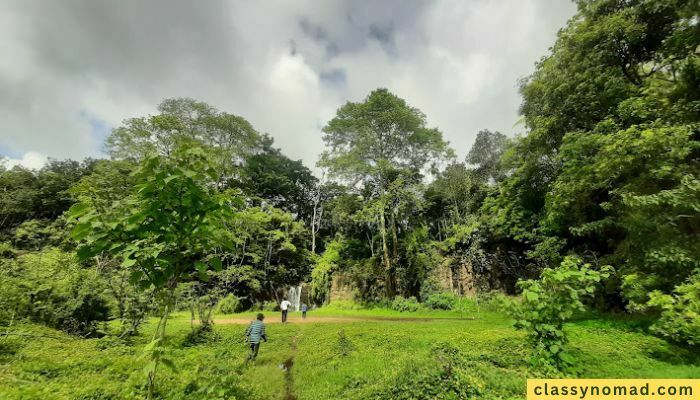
(128, 262)
(169, 363)
(170, 178)
(78, 210)
(531, 296)
(201, 267)
(216, 263)
(566, 357)
(85, 252)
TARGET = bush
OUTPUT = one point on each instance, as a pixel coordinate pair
(680, 313)
(430, 287)
(405, 305)
(230, 304)
(6, 250)
(492, 300)
(270, 305)
(50, 287)
(448, 377)
(441, 301)
(548, 303)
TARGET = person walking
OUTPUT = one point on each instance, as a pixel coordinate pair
(304, 308)
(254, 333)
(284, 306)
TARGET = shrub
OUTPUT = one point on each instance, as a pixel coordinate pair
(548, 303)
(441, 301)
(52, 288)
(6, 250)
(430, 287)
(492, 300)
(680, 313)
(405, 304)
(448, 377)
(230, 304)
(270, 305)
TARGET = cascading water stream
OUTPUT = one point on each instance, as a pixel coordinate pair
(294, 297)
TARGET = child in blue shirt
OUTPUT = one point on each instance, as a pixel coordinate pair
(254, 333)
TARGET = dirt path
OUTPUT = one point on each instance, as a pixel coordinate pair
(288, 379)
(276, 319)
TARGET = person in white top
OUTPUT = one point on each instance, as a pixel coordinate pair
(284, 306)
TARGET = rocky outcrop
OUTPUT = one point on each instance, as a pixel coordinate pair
(455, 275)
(341, 288)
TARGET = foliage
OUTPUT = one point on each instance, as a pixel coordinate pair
(201, 300)
(322, 270)
(450, 378)
(52, 288)
(152, 230)
(279, 181)
(486, 153)
(230, 304)
(485, 353)
(6, 250)
(270, 305)
(132, 304)
(35, 234)
(642, 180)
(269, 252)
(402, 304)
(382, 144)
(440, 301)
(551, 301)
(38, 194)
(608, 166)
(227, 138)
(164, 232)
(431, 285)
(680, 312)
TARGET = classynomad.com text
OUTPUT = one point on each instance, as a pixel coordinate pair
(613, 389)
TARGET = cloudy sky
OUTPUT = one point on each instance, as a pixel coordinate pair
(72, 70)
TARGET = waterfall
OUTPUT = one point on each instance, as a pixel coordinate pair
(294, 297)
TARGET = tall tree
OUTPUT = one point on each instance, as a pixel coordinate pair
(369, 142)
(486, 154)
(228, 138)
(281, 182)
(612, 146)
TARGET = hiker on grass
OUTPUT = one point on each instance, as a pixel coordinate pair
(304, 309)
(284, 306)
(255, 332)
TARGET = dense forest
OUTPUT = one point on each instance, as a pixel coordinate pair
(195, 207)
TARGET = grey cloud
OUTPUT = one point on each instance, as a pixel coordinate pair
(73, 69)
(336, 76)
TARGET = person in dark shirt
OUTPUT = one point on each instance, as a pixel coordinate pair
(304, 308)
(255, 333)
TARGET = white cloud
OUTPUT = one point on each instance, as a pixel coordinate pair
(31, 160)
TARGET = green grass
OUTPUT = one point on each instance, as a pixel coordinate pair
(355, 359)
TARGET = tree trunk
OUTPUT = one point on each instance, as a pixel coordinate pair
(313, 231)
(318, 214)
(395, 250)
(385, 256)
(159, 336)
(395, 240)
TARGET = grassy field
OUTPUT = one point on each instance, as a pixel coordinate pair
(339, 353)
